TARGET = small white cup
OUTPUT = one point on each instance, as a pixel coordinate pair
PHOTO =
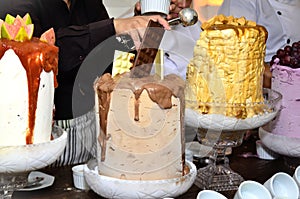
(282, 186)
(296, 176)
(78, 177)
(210, 194)
(155, 6)
(265, 153)
(252, 190)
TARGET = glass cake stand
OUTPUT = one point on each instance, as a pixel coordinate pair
(10, 182)
(220, 132)
(16, 162)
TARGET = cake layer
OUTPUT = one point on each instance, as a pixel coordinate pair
(14, 103)
(226, 72)
(286, 80)
(141, 131)
(27, 77)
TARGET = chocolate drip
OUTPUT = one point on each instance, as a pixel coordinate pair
(103, 88)
(35, 56)
(157, 93)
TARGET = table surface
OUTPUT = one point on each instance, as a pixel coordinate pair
(251, 168)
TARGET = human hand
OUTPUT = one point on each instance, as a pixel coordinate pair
(175, 7)
(136, 26)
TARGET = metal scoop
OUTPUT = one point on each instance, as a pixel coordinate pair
(187, 17)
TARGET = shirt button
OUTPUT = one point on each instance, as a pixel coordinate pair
(278, 12)
(288, 41)
(81, 57)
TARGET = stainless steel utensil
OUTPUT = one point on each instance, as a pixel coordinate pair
(187, 17)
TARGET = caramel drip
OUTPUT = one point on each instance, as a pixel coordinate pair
(35, 56)
(237, 28)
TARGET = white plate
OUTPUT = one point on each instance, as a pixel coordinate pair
(109, 187)
(46, 182)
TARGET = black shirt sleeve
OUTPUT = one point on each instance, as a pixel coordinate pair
(76, 42)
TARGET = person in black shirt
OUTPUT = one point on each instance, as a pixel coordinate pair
(80, 26)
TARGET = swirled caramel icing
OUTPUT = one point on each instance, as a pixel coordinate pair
(225, 74)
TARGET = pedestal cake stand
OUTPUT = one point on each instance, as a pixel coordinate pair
(288, 147)
(110, 187)
(17, 161)
(220, 132)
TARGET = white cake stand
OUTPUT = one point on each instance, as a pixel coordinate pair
(283, 145)
(110, 187)
(17, 161)
(288, 147)
(220, 132)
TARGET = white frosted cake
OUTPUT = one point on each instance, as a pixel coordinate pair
(27, 80)
(141, 130)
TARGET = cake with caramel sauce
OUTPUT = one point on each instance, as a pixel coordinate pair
(27, 80)
(225, 75)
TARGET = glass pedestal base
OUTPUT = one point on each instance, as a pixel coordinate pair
(10, 182)
(218, 177)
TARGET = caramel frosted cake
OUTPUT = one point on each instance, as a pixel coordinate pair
(285, 67)
(141, 126)
(28, 68)
(225, 74)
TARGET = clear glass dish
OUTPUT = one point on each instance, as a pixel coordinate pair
(224, 127)
(258, 113)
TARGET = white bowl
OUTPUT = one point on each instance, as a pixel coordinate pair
(79, 178)
(109, 187)
(287, 146)
(210, 194)
(31, 157)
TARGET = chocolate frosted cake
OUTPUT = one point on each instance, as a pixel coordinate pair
(141, 130)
